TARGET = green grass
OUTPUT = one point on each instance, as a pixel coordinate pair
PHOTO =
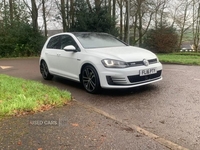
(19, 96)
(180, 58)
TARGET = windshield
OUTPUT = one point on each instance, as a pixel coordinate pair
(98, 40)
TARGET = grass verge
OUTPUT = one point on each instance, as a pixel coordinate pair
(19, 96)
(180, 58)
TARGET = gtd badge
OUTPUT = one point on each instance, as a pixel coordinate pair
(146, 63)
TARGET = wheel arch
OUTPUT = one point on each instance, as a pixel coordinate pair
(40, 62)
(44, 70)
(85, 64)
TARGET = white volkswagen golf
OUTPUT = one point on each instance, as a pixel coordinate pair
(98, 60)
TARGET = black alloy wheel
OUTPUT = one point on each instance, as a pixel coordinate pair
(90, 79)
(45, 71)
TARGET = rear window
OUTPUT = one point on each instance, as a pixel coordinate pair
(54, 43)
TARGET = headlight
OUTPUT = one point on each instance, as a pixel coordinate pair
(157, 59)
(110, 63)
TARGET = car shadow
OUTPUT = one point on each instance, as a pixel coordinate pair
(107, 92)
(129, 91)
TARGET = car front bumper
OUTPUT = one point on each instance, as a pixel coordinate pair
(128, 77)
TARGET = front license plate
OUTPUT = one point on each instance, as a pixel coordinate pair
(147, 71)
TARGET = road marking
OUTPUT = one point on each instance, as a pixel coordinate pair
(6, 67)
(162, 141)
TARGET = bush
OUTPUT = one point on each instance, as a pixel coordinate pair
(20, 40)
(164, 39)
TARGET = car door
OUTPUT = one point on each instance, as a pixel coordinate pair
(52, 52)
(69, 60)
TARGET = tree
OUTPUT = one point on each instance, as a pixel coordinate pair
(183, 26)
(63, 15)
(120, 3)
(114, 9)
(72, 12)
(44, 18)
(11, 11)
(67, 12)
(126, 21)
(141, 17)
(96, 19)
(163, 39)
(34, 15)
(33, 9)
(196, 25)
(159, 7)
(181, 13)
(17, 36)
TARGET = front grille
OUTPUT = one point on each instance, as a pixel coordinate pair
(138, 78)
(141, 63)
(136, 63)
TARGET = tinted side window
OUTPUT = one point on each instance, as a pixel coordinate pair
(67, 40)
(54, 43)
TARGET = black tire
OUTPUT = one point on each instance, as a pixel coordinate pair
(45, 71)
(90, 79)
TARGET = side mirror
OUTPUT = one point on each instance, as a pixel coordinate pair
(70, 48)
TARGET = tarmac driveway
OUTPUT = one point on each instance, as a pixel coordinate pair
(156, 116)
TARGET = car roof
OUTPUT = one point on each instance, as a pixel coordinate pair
(81, 33)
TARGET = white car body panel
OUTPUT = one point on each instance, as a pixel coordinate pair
(68, 64)
(127, 53)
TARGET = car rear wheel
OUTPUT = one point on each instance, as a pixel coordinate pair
(45, 71)
(90, 79)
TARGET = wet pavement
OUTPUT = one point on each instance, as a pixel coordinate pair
(168, 109)
(71, 127)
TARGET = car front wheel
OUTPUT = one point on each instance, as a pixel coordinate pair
(45, 71)
(90, 79)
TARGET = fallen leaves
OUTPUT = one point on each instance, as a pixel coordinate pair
(19, 142)
(45, 107)
(42, 108)
(74, 124)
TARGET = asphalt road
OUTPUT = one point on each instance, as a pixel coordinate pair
(168, 109)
